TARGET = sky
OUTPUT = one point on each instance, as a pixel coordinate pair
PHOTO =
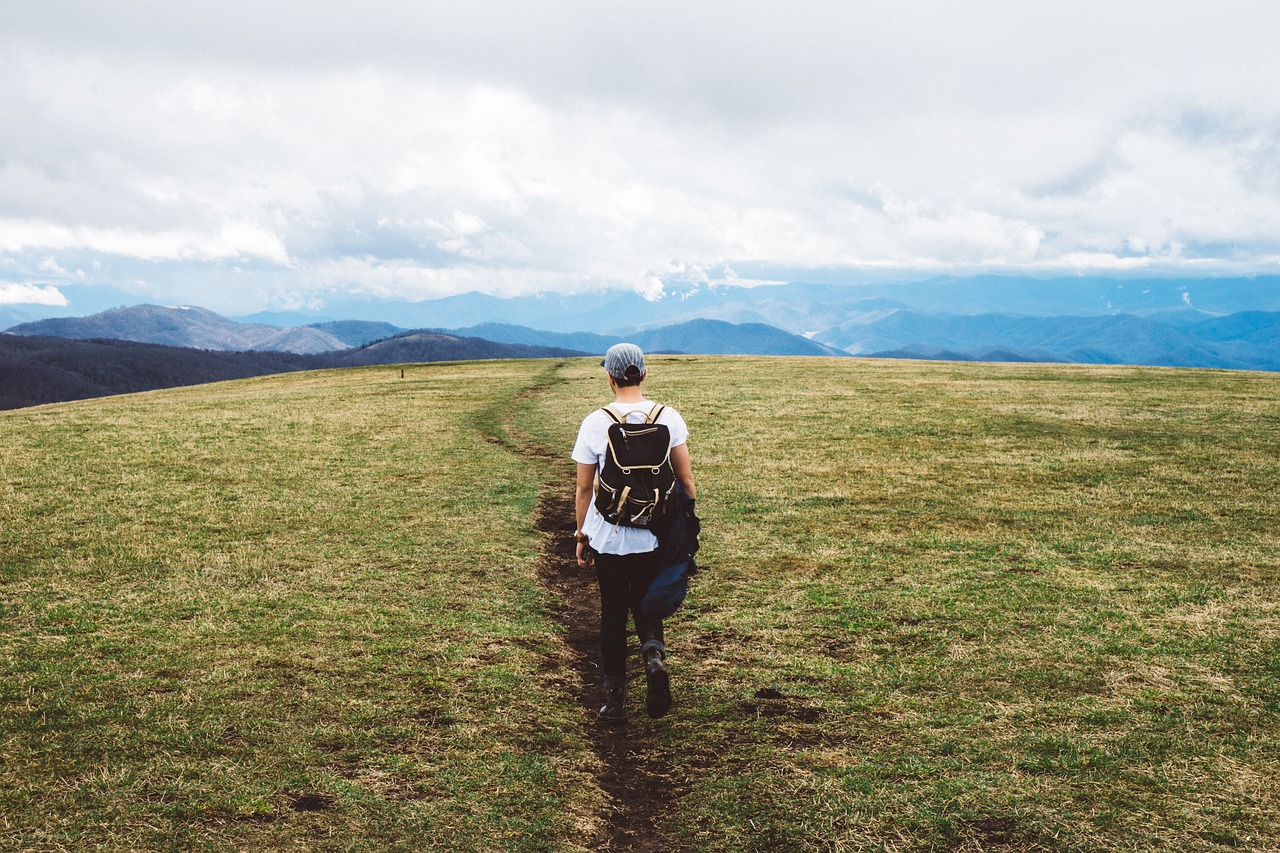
(249, 156)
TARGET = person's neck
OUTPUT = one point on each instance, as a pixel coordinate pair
(629, 394)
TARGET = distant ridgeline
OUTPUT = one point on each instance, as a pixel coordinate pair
(149, 347)
(1219, 323)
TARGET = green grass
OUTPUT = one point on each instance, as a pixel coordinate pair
(1001, 605)
(293, 610)
(947, 607)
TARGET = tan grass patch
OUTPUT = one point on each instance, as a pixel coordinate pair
(1202, 618)
(1132, 681)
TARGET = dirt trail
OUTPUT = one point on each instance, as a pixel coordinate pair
(637, 785)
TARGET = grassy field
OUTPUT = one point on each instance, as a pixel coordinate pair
(947, 607)
(277, 612)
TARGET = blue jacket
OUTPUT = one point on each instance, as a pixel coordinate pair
(677, 543)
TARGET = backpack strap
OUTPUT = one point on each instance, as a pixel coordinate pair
(621, 418)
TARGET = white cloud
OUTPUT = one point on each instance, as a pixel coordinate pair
(49, 265)
(229, 240)
(419, 149)
(22, 293)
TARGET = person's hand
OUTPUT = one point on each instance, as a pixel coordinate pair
(586, 557)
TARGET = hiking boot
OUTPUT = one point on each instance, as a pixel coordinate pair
(614, 708)
(657, 700)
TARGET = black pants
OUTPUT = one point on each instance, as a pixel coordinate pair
(624, 579)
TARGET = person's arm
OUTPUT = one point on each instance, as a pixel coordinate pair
(582, 497)
(683, 468)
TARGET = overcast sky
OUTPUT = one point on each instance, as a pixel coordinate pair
(254, 155)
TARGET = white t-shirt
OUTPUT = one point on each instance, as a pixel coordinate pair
(590, 449)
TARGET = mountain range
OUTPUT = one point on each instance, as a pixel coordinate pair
(185, 326)
(1221, 323)
(1218, 323)
(809, 308)
(199, 328)
(148, 347)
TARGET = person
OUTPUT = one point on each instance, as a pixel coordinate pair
(625, 559)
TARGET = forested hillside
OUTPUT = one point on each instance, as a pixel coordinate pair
(37, 370)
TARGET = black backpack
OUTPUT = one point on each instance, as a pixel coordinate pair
(635, 482)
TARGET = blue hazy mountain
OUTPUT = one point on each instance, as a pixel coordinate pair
(355, 333)
(707, 337)
(721, 338)
(1261, 328)
(509, 333)
(1111, 339)
(805, 309)
(422, 345)
(186, 326)
(202, 329)
(1083, 295)
(800, 308)
(1166, 321)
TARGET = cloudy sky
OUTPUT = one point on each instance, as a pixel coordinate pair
(277, 155)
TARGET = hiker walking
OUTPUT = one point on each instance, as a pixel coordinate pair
(617, 514)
